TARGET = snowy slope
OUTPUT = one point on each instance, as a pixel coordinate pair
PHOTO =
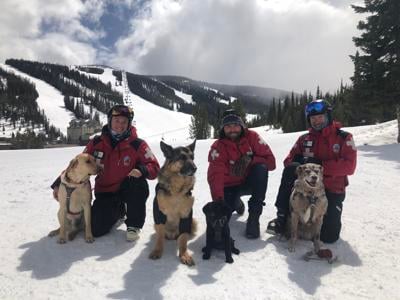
(152, 121)
(35, 267)
(50, 100)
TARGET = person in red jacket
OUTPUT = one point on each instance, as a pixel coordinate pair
(328, 145)
(126, 162)
(239, 162)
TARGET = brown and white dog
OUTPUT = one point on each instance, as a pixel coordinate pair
(308, 205)
(173, 203)
(74, 197)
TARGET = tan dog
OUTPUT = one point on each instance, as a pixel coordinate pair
(74, 197)
(308, 205)
(172, 207)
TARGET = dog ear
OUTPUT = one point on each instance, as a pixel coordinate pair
(72, 164)
(321, 169)
(192, 146)
(207, 208)
(299, 170)
(166, 149)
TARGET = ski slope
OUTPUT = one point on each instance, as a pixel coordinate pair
(34, 266)
(50, 100)
(152, 121)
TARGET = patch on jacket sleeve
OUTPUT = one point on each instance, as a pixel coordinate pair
(214, 154)
(350, 143)
(261, 141)
(149, 154)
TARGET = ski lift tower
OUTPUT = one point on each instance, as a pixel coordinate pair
(126, 94)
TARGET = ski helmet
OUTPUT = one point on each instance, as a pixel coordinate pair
(120, 110)
(318, 107)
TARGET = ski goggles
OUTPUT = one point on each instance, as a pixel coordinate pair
(315, 108)
(122, 110)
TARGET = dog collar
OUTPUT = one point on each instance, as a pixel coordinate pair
(312, 199)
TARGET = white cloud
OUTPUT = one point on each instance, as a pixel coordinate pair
(22, 33)
(290, 44)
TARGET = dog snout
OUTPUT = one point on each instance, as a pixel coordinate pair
(314, 177)
(189, 169)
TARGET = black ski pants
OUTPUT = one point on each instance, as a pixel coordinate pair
(254, 185)
(108, 208)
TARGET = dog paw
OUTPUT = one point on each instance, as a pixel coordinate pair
(187, 259)
(155, 254)
(229, 260)
(89, 239)
(206, 256)
(61, 241)
(52, 233)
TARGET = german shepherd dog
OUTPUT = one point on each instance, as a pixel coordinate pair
(218, 232)
(308, 205)
(173, 203)
(74, 197)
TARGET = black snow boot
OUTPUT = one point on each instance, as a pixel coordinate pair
(277, 226)
(253, 226)
(240, 207)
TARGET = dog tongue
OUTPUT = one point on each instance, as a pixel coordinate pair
(311, 183)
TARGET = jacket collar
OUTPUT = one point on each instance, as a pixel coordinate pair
(328, 130)
(105, 132)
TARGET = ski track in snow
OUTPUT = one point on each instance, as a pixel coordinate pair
(34, 266)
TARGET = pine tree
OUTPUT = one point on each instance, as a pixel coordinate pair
(237, 105)
(376, 77)
(199, 127)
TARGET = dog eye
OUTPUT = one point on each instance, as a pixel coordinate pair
(182, 157)
(88, 161)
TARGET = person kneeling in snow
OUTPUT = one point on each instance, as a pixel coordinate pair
(325, 144)
(127, 162)
(239, 162)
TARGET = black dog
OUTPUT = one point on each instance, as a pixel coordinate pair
(218, 234)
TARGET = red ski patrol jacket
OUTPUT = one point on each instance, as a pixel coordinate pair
(117, 162)
(335, 148)
(223, 155)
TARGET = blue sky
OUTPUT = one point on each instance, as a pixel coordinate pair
(287, 44)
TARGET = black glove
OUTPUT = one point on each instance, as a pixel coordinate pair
(306, 160)
(240, 166)
(312, 160)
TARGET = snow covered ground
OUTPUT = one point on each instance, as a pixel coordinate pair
(34, 266)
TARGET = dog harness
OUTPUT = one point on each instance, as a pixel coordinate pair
(69, 191)
(310, 210)
(185, 224)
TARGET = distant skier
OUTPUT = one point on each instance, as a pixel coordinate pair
(127, 162)
(239, 162)
(325, 144)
